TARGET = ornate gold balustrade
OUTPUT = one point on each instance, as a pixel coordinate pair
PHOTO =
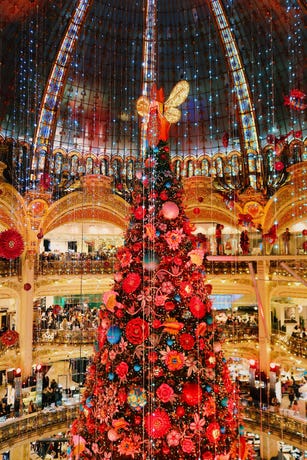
(34, 426)
(60, 336)
(31, 427)
(9, 267)
(74, 267)
(88, 266)
(295, 346)
(288, 429)
(234, 333)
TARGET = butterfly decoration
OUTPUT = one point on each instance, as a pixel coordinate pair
(159, 114)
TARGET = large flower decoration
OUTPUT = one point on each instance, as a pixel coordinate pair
(11, 244)
(174, 238)
(9, 338)
(131, 283)
(137, 331)
(213, 432)
(124, 256)
(157, 424)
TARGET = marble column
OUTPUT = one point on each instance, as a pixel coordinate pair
(20, 452)
(25, 315)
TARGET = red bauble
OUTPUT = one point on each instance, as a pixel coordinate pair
(196, 211)
(207, 456)
(200, 199)
(279, 166)
(180, 411)
(27, 286)
(40, 234)
(304, 232)
(191, 394)
(11, 244)
(170, 210)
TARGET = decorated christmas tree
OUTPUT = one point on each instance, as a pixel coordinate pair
(158, 385)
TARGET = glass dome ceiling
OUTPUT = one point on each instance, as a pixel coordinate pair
(241, 58)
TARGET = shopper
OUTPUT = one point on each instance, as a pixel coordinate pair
(244, 242)
(286, 241)
(218, 239)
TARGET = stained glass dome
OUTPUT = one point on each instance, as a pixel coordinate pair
(73, 70)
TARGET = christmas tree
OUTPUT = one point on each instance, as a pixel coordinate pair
(158, 386)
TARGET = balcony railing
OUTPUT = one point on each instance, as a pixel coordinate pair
(288, 429)
(59, 336)
(10, 267)
(33, 426)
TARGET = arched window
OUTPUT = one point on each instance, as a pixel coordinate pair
(296, 155)
(116, 170)
(41, 160)
(270, 156)
(74, 165)
(190, 168)
(89, 166)
(58, 163)
(129, 171)
(205, 167)
(235, 165)
(252, 168)
(219, 167)
(177, 169)
(104, 167)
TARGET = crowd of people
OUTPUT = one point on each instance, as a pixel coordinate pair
(70, 317)
(299, 332)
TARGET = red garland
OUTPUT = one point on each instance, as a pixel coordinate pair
(9, 338)
(11, 244)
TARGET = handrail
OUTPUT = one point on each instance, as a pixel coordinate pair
(288, 429)
(60, 336)
(231, 332)
(33, 426)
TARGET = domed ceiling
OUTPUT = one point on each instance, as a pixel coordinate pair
(243, 60)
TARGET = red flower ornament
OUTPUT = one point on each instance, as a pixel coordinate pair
(213, 432)
(9, 338)
(139, 212)
(11, 244)
(165, 392)
(187, 341)
(157, 424)
(197, 307)
(137, 331)
(131, 283)
(122, 370)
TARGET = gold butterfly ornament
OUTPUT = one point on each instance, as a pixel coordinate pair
(159, 115)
